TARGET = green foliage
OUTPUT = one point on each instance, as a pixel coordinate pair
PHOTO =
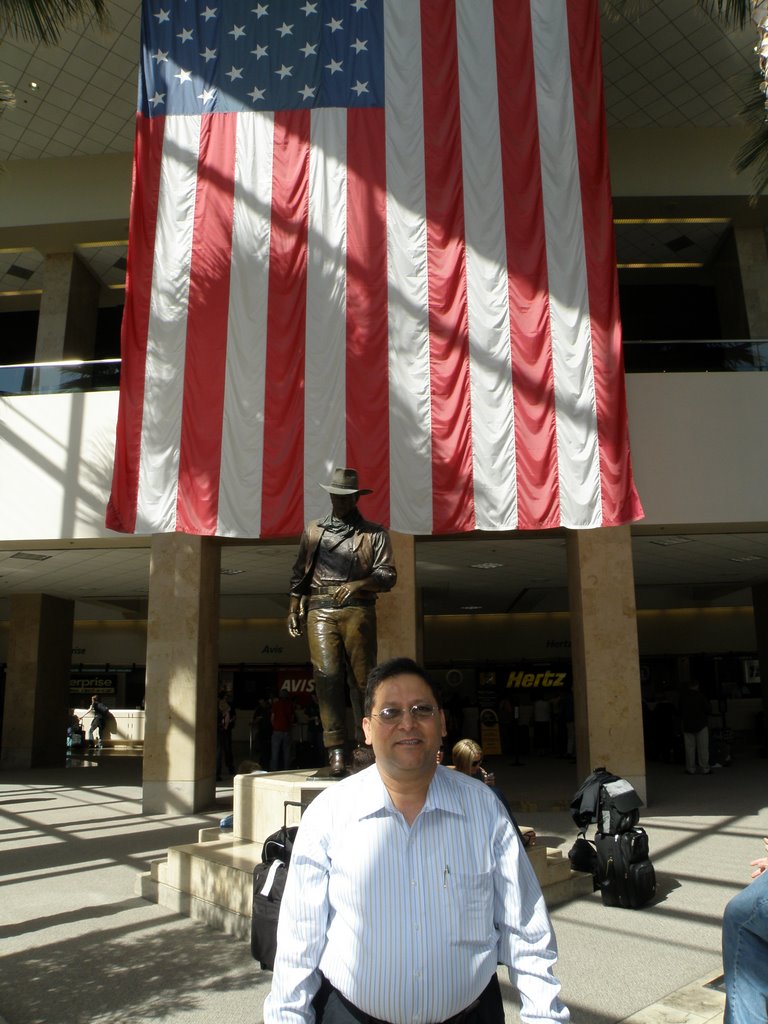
(44, 20)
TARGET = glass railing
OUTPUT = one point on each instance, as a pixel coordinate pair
(60, 378)
(732, 356)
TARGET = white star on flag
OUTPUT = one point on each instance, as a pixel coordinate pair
(285, 30)
(257, 94)
(360, 87)
(185, 35)
(237, 31)
(160, 56)
(334, 66)
(335, 24)
(161, 17)
(208, 54)
(209, 12)
(183, 76)
(307, 92)
(360, 44)
(159, 97)
(285, 72)
(234, 73)
(260, 51)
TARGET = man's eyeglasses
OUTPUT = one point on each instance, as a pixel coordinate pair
(476, 764)
(419, 711)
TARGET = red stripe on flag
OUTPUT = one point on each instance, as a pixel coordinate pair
(452, 476)
(207, 320)
(367, 365)
(283, 463)
(532, 372)
(148, 147)
(620, 502)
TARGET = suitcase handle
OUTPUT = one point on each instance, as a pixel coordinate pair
(292, 803)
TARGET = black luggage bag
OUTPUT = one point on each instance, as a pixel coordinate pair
(268, 884)
(625, 876)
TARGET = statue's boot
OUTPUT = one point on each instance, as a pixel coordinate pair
(336, 764)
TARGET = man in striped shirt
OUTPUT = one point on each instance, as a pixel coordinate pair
(407, 886)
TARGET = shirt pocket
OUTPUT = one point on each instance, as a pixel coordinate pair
(473, 906)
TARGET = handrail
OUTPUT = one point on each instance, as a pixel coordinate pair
(733, 355)
(60, 377)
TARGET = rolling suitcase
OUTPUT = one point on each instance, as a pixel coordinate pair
(625, 875)
(268, 884)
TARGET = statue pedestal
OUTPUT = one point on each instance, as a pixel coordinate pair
(212, 880)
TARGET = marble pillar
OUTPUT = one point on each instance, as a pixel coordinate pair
(398, 620)
(182, 674)
(69, 309)
(605, 659)
(37, 682)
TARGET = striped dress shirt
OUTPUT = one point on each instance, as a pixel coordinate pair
(408, 922)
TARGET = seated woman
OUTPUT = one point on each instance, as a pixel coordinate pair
(468, 759)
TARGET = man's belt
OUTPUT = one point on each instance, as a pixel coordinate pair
(366, 1018)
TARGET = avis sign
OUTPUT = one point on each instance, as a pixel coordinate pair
(531, 680)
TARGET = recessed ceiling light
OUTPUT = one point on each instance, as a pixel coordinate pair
(471, 607)
(667, 542)
(30, 557)
(746, 558)
(33, 85)
(231, 572)
(487, 565)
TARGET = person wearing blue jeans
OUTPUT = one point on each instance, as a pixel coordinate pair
(745, 950)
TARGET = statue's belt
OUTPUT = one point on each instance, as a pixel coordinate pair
(322, 597)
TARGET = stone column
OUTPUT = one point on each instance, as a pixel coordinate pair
(182, 674)
(760, 612)
(753, 260)
(69, 309)
(398, 621)
(606, 667)
(37, 682)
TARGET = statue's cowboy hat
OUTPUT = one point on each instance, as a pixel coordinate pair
(344, 481)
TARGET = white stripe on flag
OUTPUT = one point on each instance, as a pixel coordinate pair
(325, 357)
(493, 429)
(578, 455)
(166, 340)
(243, 428)
(409, 389)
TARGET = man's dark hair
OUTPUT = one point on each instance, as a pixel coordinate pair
(390, 669)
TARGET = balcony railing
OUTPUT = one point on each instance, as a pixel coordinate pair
(60, 378)
(733, 356)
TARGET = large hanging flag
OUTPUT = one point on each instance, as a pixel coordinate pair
(371, 233)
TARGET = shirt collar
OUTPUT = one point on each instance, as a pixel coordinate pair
(443, 794)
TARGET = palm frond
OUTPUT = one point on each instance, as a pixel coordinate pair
(44, 20)
(732, 12)
(754, 153)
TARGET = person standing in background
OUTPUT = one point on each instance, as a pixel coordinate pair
(694, 718)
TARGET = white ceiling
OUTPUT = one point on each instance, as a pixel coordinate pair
(485, 573)
(673, 67)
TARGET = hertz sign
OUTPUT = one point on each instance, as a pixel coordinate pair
(529, 680)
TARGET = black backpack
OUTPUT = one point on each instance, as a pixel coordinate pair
(607, 800)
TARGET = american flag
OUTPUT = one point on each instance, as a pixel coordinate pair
(371, 233)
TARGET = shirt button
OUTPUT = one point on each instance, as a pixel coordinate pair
(417, 974)
(413, 881)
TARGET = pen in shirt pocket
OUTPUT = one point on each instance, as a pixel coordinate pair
(446, 876)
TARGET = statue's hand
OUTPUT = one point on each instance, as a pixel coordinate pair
(295, 624)
(346, 591)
